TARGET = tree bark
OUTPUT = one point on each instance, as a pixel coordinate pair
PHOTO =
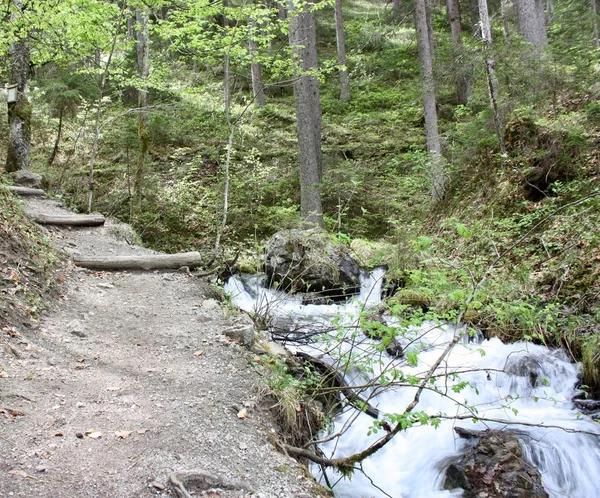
(143, 65)
(531, 22)
(19, 112)
(596, 29)
(436, 170)
(396, 9)
(504, 5)
(303, 41)
(61, 113)
(463, 86)
(258, 88)
(486, 36)
(146, 262)
(341, 52)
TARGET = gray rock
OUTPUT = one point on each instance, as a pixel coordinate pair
(309, 261)
(76, 328)
(493, 467)
(26, 178)
(241, 330)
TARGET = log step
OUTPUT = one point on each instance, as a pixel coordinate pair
(26, 191)
(145, 262)
(75, 220)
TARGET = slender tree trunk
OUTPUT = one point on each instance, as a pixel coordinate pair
(97, 127)
(61, 113)
(486, 35)
(19, 112)
(463, 86)
(436, 171)
(258, 88)
(396, 9)
(596, 29)
(281, 12)
(227, 81)
(341, 52)
(143, 64)
(303, 41)
(531, 22)
(428, 17)
(504, 4)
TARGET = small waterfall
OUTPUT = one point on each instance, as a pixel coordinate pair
(523, 386)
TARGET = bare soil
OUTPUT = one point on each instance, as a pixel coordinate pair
(129, 380)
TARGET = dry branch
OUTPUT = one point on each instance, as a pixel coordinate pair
(143, 262)
(75, 220)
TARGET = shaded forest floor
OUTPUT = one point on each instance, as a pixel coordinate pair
(127, 380)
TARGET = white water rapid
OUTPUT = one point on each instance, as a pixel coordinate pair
(522, 386)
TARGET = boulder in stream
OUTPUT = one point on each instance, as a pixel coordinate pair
(310, 261)
(494, 467)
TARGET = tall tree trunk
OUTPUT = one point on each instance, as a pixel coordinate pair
(504, 5)
(486, 35)
(61, 113)
(396, 9)
(531, 22)
(303, 41)
(143, 66)
(436, 170)
(595, 16)
(227, 79)
(341, 52)
(97, 126)
(19, 112)
(463, 86)
(258, 88)
(429, 19)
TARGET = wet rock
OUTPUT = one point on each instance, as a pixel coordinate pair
(587, 405)
(309, 261)
(27, 178)
(241, 330)
(525, 366)
(493, 467)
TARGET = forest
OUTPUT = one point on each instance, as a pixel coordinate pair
(456, 144)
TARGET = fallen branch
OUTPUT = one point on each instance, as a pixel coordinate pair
(337, 379)
(143, 262)
(75, 220)
(26, 191)
(200, 480)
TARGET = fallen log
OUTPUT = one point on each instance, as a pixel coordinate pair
(143, 262)
(74, 220)
(26, 191)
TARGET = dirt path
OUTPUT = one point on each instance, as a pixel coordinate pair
(140, 359)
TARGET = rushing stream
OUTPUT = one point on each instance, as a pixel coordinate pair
(524, 384)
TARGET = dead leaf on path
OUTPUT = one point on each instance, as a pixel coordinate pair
(158, 486)
(93, 434)
(3, 375)
(81, 367)
(113, 388)
(29, 347)
(59, 434)
(123, 434)
(243, 413)
(9, 412)
(199, 353)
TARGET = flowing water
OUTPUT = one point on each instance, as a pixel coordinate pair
(522, 386)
